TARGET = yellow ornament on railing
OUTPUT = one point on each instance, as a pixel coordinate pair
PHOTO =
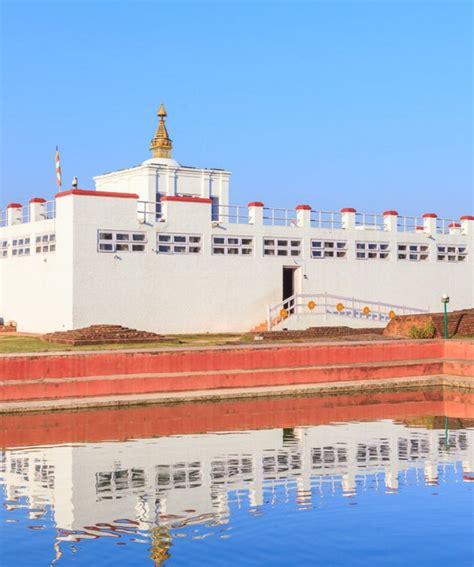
(340, 307)
(311, 305)
(391, 314)
(283, 313)
(366, 310)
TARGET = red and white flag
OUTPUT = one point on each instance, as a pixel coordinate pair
(58, 168)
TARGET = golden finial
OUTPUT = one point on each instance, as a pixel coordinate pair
(161, 144)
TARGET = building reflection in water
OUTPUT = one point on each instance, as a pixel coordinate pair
(149, 487)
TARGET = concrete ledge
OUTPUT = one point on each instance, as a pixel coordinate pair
(93, 363)
(366, 388)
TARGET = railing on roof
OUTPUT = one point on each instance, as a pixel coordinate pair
(326, 219)
(149, 212)
(234, 214)
(339, 305)
(442, 225)
(50, 209)
(408, 224)
(279, 217)
(25, 215)
(369, 221)
(3, 218)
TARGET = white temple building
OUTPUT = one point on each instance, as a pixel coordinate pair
(159, 247)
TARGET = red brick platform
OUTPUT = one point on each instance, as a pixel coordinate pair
(120, 373)
(101, 335)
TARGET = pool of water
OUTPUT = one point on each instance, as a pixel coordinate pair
(163, 486)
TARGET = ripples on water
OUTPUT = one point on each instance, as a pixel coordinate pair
(373, 493)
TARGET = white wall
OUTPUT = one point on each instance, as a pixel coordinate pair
(36, 290)
(180, 294)
(78, 286)
(167, 177)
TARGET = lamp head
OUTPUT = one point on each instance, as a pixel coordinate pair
(445, 298)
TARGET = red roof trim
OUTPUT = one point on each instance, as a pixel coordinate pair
(186, 199)
(454, 225)
(467, 217)
(348, 210)
(390, 214)
(419, 228)
(86, 193)
(256, 204)
(430, 216)
(37, 200)
(303, 208)
(14, 206)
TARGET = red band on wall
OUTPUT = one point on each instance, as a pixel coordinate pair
(87, 193)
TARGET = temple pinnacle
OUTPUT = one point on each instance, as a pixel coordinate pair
(161, 144)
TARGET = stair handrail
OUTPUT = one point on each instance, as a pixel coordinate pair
(339, 305)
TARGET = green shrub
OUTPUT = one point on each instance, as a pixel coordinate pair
(428, 331)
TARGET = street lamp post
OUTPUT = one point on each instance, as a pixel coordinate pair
(445, 301)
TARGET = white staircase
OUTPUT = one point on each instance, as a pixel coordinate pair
(301, 311)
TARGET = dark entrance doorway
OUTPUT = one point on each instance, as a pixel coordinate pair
(288, 287)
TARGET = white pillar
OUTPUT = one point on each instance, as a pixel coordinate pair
(37, 209)
(303, 216)
(256, 212)
(348, 217)
(390, 221)
(14, 213)
(467, 224)
(454, 228)
(429, 223)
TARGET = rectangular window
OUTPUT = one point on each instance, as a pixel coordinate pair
(45, 243)
(456, 253)
(3, 248)
(167, 243)
(215, 208)
(21, 246)
(372, 250)
(282, 247)
(233, 245)
(328, 249)
(413, 252)
(120, 241)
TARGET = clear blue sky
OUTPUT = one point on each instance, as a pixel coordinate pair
(363, 104)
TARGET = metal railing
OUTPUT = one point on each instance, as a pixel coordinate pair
(339, 305)
(25, 215)
(50, 209)
(442, 225)
(234, 214)
(369, 221)
(3, 217)
(149, 212)
(279, 217)
(326, 219)
(408, 224)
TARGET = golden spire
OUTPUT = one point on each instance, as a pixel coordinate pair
(161, 144)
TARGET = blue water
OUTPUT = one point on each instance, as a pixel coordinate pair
(378, 494)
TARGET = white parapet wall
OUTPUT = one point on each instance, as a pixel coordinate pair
(187, 265)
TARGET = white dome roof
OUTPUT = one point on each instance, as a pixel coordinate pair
(161, 161)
